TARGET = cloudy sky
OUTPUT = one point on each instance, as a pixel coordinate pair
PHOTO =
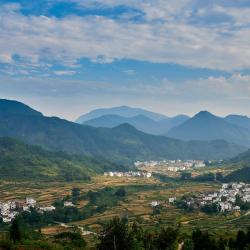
(66, 57)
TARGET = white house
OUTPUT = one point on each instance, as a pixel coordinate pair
(30, 202)
(199, 165)
(47, 209)
(111, 174)
(68, 204)
(208, 198)
(13, 214)
(12, 205)
(154, 203)
(225, 206)
(237, 208)
(7, 219)
(26, 208)
(172, 199)
(246, 198)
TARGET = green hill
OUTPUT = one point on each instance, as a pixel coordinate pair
(240, 166)
(240, 175)
(22, 161)
(121, 144)
(243, 158)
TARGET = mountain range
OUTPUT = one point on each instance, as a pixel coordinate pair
(124, 111)
(141, 122)
(202, 126)
(122, 144)
(206, 126)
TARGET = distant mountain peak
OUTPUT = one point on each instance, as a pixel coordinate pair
(204, 113)
(123, 110)
(206, 126)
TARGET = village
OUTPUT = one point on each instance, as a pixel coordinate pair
(229, 198)
(171, 165)
(10, 209)
(129, 174)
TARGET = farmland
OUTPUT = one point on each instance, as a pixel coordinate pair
(136, 206)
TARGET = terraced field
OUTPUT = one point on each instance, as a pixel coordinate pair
(136, 206)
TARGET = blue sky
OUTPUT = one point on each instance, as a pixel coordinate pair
(68, 57)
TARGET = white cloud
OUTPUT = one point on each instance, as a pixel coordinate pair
(165, 35)
(64, 72)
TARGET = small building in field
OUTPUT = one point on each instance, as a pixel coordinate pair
(47, 209)
(154, 203)
(172, 199)
(68, 204)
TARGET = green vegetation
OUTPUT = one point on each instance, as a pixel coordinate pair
(243, 158)
(117, 234)
(21, 161)
(70, 240)
(239, 175)
(21, 236)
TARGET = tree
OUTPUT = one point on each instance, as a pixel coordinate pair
(210, 208)
(150, 238)
(188, 245)
(186, 176)
(15, 231)
(71, 240)
(115, 236)
(203, 241)
(76, 192)
(198, 239)
(219, 176)
(167, 239)
(241, 240)
(138, 236)
(121, 192)
(205, 177)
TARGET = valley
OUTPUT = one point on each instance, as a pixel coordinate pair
(124, 125)
(82, 177)
(135, 206)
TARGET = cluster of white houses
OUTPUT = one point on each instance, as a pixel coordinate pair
(129, 174)
(10, 209)
(172, 165)
(225, 198)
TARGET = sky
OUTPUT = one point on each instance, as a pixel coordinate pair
(66, 58)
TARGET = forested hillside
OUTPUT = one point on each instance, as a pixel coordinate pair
(21, 161)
